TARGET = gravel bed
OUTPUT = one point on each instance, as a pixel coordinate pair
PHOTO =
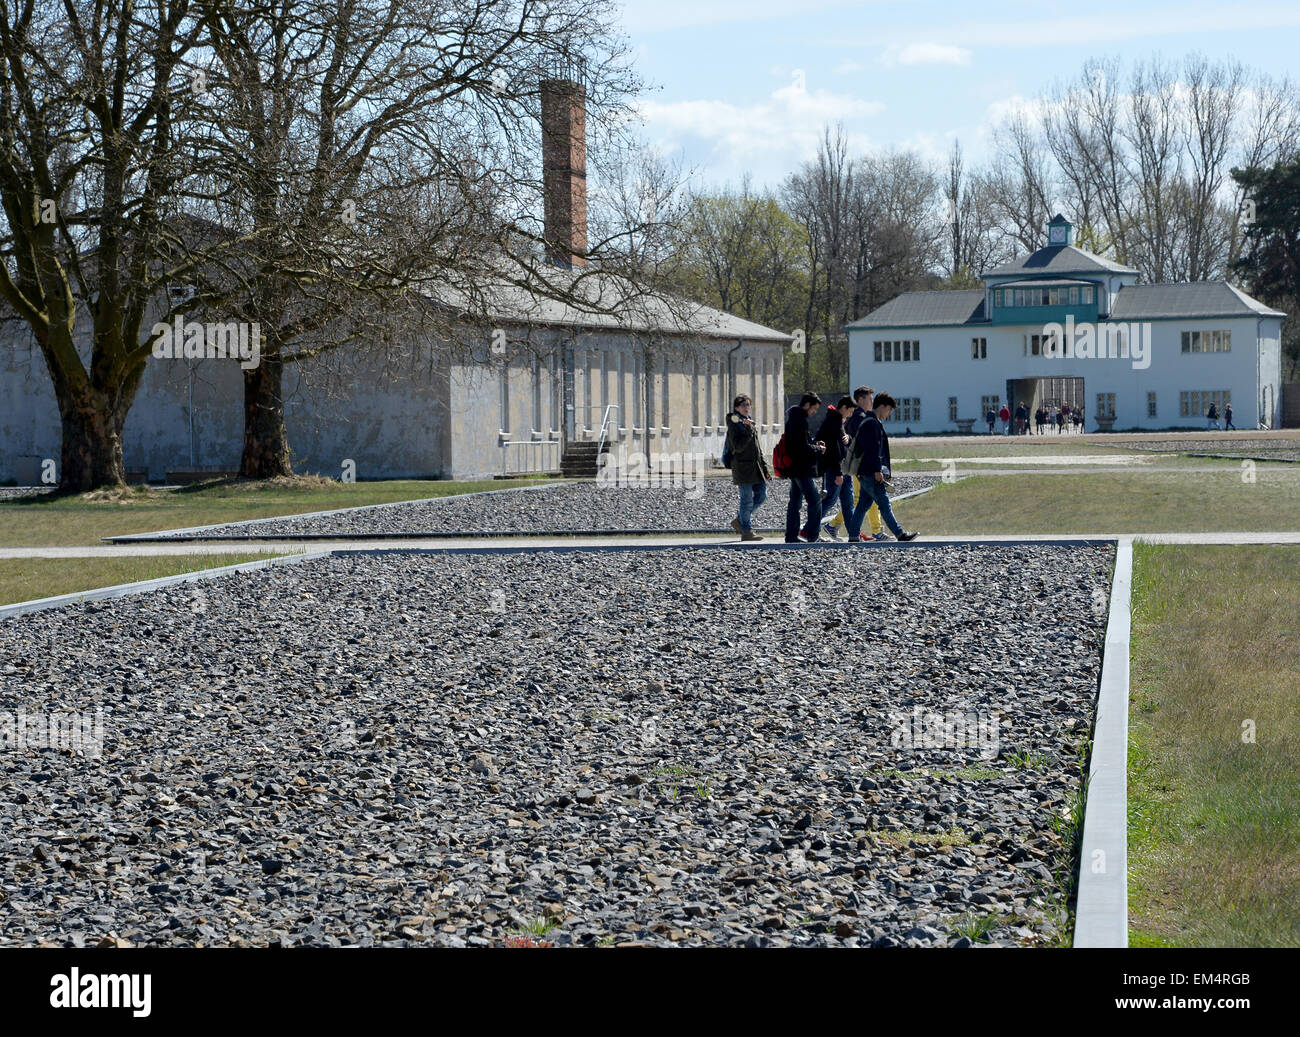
(560, 508)
(18, 492)
(1279, 449)
(610, 747)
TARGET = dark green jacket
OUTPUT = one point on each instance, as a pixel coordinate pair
(748, 466)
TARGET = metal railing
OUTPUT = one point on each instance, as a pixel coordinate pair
(604, 427)
(533, 457)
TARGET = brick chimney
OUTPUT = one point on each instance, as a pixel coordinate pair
(564, 170)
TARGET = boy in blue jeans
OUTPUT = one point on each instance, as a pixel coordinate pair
(873, 446)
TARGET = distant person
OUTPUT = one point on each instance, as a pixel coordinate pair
(803, 454)
(836, 484)
(1022, 418)
(1227, 418)
(1005, 415)
(1040, 418)
(872, 444)
(862, 397)
(749, 469)
(991, 417)
(1212, 418)
(1060, 420)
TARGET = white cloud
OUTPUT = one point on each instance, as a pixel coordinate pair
(847, 68)
(928, 53)
(774, 134)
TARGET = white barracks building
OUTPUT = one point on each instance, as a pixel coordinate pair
(1062, 325)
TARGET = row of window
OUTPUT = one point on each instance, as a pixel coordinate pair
(1207, 341)
(1195, 404)
(1071, 296)
(1191, 404)
(613, 377)
(1036, 345)
(906, 350)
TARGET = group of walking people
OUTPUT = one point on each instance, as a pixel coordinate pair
(1050, 417)
(848, 457)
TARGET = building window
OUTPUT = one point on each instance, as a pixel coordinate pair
(1105, 404)
(1195, 404)
(903, 350)
(1074, 296)
(663, 392)
(505, 398)
(1151, 405)
(1085, 294)
(979, 349)
(622, 390)
(1218, 341)
(989, 403)
(908, 409)
(537, 395)
(952, 409)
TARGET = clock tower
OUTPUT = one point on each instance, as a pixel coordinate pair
(1059, 230)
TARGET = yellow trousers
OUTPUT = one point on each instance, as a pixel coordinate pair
(873, 513)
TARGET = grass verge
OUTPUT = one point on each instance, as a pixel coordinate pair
(1110, 502)
(65, 521)
(24, 579)
(1214, 818)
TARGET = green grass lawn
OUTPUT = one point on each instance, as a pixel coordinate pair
(996, 446)
(24, 579)
(1110, 502)
(85, 518)
(1214, 821)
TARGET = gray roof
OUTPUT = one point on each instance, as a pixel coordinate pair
(544, 296)
(1192, 299)
(927, 309)
(1059, 259)
(1132, 302)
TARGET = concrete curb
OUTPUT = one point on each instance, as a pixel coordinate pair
(733, 545)
(122, 590)
(1101, 911)
(182, 536)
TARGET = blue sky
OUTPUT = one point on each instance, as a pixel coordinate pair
(900, 74)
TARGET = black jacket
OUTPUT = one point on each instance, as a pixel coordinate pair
(830, 434)
(873, 444)
(855, 421)
(799, 444)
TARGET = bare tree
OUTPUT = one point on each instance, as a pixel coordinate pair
(92, 96)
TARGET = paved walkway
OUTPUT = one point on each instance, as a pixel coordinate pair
(515, 543)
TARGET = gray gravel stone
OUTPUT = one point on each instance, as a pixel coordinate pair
(679, 752)
(557, 508)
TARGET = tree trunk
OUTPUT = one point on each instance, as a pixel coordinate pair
(91, 454)
(266, 445)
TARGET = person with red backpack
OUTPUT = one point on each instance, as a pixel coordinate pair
(797, 462)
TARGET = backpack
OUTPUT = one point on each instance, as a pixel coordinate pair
(855, 459)
(781, 459)
(727, 454)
